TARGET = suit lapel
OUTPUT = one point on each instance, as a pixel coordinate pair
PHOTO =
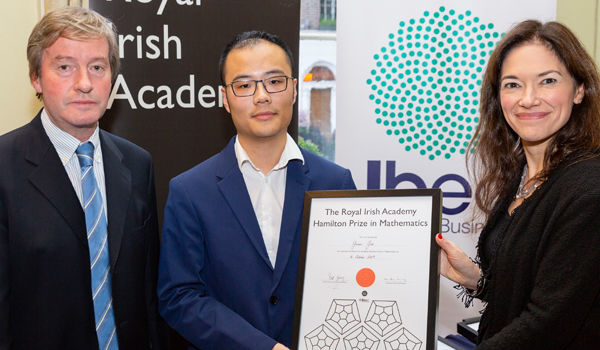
(297, 182)
(233, 188)
(51, 179)
(118, 193)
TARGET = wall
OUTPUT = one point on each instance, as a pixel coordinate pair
(17, 97)
(582, 17)
(310, 14)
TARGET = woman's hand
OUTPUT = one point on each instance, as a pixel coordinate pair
(456, 265)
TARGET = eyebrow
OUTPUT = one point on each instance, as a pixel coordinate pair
(539, 75)
(249, 77)
(69, 58)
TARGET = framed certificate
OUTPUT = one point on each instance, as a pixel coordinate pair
(368, 274)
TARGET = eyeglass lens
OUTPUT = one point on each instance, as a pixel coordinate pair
(248, 87)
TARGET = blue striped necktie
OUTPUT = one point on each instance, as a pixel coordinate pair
(95, 221)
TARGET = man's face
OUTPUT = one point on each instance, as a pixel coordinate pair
(264, 115)
(75, 81)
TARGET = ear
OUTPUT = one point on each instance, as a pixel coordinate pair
(295, 90)
(579, 94)
(35, 82)
(225, 101)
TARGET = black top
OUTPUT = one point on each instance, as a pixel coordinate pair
(491, 240)
(544, 286)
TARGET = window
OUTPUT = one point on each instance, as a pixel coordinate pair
(328, 14)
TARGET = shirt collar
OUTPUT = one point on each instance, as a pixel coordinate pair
(66, 144)
(290, 152)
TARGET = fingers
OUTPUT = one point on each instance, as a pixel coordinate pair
(455, 264)
(448, 246)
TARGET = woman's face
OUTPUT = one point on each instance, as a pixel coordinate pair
(537, 93)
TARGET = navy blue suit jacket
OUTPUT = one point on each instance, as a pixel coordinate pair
(45, 280)
(216, 284)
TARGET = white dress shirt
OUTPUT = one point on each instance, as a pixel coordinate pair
(267, 192)
(66, 145)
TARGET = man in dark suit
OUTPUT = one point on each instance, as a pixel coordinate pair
(78, 226)
(231, 235)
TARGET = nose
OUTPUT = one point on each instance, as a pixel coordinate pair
(83, 82)
(529, 97)
(261, 95)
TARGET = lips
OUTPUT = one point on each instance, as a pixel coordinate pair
(83, 103)
(264, 115)
(532, 115)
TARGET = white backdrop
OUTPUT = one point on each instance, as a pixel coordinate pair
(408, 101)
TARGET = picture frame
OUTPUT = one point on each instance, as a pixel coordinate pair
(368, 273)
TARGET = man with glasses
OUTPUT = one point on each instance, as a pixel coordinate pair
(231, 234)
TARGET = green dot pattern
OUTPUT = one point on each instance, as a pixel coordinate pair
(426, 82)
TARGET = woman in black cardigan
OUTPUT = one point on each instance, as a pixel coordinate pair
(536, 165)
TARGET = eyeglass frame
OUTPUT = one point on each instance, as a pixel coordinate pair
(263, 82)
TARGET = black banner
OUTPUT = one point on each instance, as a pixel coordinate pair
(167, 97)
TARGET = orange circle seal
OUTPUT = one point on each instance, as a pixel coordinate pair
(365, 277)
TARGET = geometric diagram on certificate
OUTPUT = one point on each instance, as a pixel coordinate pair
(343, 315)
(402, 340)
(322, 338)
(383, 317)
(361, 339)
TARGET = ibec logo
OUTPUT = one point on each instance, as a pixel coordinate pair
(392, 181)
(426, 81)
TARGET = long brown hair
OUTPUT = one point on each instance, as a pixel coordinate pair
(495, 153)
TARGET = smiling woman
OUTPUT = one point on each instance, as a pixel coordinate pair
(537, 172)
(537, 94)
(571, 84)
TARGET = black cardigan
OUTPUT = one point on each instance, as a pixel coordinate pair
(544, 278)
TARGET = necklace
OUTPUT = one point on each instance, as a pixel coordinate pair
(524, 192)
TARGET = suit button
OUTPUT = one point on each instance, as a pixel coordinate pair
(273, 300)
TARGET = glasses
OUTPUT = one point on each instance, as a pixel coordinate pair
(245, 88)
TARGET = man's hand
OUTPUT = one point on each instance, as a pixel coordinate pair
(280, 347)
